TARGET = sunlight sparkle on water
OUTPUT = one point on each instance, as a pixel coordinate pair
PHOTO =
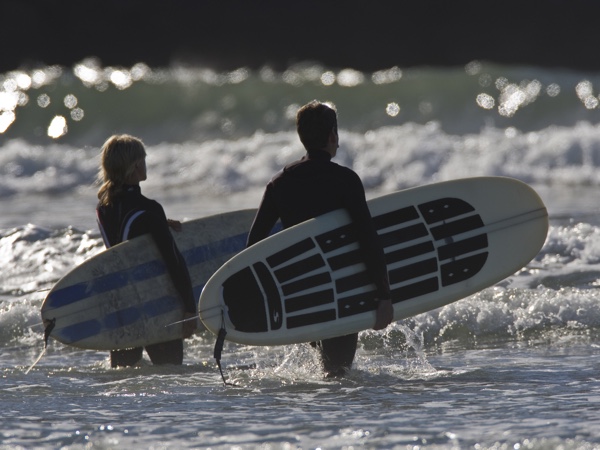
(43, 100)
(70, 101)
(553, 90)
(88, 73)
(58, 127)
(8, 101)
(387, 76)
(6, 119)
(485, 101)
(392, 109)
(350, 78)
(328, 78)
(585, 93)
(121, 79)
(77, 114)
(514, 96)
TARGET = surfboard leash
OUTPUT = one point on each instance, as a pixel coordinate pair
(219, 349)
(47, 330)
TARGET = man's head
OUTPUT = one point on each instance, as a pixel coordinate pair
(315, 123)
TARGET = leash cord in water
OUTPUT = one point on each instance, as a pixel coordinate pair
(219, 349)
(47, 331)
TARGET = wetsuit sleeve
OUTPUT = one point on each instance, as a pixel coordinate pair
(157, 225)
(265, 219)
(370, 244)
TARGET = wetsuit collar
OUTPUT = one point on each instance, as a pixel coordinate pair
(321, 155)
(131, 188)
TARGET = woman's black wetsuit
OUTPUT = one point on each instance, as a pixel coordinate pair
(131, 215)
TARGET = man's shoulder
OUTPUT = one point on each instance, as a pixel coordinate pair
(345, 171)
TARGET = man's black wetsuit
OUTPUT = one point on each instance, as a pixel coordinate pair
(131, 215)
(310, 187)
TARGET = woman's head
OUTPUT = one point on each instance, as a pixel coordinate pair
(122, 162)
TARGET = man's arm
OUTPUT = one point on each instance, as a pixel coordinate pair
(372, 251)
(265, 219)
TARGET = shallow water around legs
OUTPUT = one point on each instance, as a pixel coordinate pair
(536, 396)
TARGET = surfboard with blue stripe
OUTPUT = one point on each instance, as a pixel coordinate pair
(123, 297)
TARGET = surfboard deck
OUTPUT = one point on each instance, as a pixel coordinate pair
(442, 242)
(124, 297)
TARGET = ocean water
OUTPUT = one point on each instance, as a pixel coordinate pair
(515, 366)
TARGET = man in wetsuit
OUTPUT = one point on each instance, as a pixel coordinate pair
(124, 213)
(310, 187)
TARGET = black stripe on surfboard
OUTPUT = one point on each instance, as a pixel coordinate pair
(414, 232)
(303, 320)
(272, 293)
(345, 259)
(447, 251)
(450, 273)
(462, 269)
(355, 257)
(307, 301)
(413, 290)
(387, 240)
(450, 229)
(409, 252)
(458, 248)
(299, 268)
(453, 272)
(403, 235)
(313, 281)
(353, 281)
(290, 252)
(435, 211)
(396, 217)
(356, 304)
(345, 235)
(338, 238)
(444, 209)
(365, 301)
(411, 271)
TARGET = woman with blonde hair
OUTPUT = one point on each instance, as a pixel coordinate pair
(124, 213)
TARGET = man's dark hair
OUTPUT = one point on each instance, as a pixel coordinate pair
(314, 123)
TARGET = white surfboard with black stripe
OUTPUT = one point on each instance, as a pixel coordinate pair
(442, 242)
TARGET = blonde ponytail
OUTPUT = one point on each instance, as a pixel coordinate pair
(120, 153)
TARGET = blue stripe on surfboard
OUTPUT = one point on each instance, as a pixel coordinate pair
(116, 280)
(76, 292)
(122, 318)
(202, 253)
(81, 330)
(118, 319)
(198, 255)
